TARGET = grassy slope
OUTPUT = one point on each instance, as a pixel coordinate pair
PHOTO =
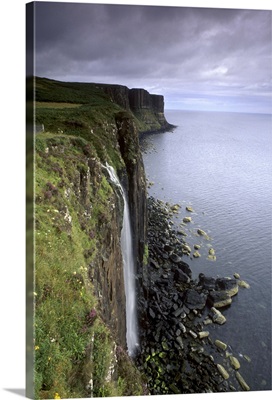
(66, 316)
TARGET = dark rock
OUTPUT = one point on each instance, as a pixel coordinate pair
(206, 282)
(185, 268)
(230, 285)
(181, 277)
(154, 263)
(219, 299)
(168, 248)
(175, 258)
(180, 342)
(178, 312)
(151, 313)
(195, 300)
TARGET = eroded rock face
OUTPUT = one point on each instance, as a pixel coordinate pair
(133, 178)
(149, 107)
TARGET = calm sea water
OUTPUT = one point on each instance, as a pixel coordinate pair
(221, 165)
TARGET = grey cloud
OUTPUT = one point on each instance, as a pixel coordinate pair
(165, 47)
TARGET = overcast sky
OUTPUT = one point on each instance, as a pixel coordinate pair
(198, 58)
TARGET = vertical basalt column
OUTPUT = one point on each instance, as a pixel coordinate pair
(128, 138)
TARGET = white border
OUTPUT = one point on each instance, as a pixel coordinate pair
(12, 375)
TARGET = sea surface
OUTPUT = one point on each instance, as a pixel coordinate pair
(221, 165)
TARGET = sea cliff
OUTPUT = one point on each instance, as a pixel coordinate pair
(80, 317)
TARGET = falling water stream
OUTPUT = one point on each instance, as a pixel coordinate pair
(129, 269)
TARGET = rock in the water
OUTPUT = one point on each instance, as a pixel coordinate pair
(236, 275)
(175, 208)
(243, 284)
(203, 233)
(207, 321)
(186, 249)
(196, 254)
(211, 252)
(189, 208)
(222, 371)
(241, 381)
(181, 232)
(211, 256)
(203, 334)
(197, 246)
(187, 219)
(229, 285)
(206, 282)
(234, 362)
(220, 344)
(218, 317)
(195, 300)
(219, 299)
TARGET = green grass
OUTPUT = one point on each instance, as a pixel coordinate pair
(65, 244)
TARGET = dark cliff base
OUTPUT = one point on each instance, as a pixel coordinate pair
(177, 315)
(167, 128)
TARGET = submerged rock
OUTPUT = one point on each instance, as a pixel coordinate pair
(218, 317)
(187, 219)
(241, 381)
(220, 344)
(203, 233)
(203, 334)
(196, 254)
(234, 362)
(186, 249)
(219, 299)
(189, 208)
(243, 284)
(211, 252)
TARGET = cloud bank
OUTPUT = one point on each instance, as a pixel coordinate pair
(199, 58)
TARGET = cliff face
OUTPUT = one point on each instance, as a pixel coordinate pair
(80, 304)
(135, 182)
(147, 108)
(79, 215)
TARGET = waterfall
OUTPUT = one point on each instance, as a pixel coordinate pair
(129, 269)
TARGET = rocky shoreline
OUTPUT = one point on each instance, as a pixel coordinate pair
(177, 354)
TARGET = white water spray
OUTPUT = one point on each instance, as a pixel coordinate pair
(129, 269)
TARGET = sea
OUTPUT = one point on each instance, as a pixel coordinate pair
(220, 164)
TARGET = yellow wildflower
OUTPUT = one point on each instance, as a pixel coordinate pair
(57, 396)
(37, 347)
